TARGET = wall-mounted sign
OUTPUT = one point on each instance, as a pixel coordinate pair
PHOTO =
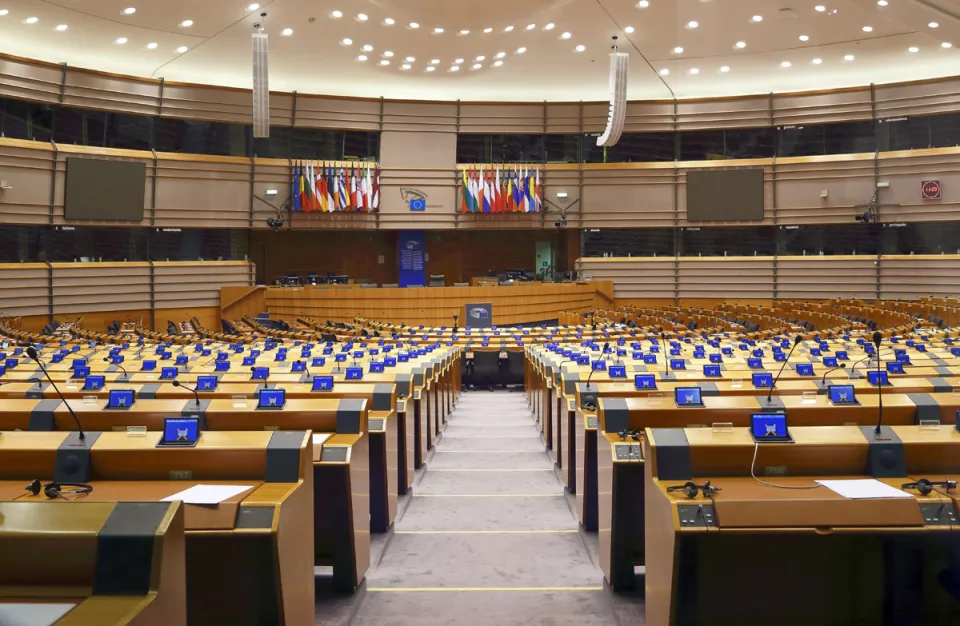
(931, 189)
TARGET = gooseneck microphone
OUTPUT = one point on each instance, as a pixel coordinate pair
(126, 376)
(306, 372)
(823, 380)
(665, 353)
(877, 338)
(796, 342)
(196, 394)
(32, 353)
(602, 352)
(266, 384)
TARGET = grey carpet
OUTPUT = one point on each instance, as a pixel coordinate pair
(487, 538)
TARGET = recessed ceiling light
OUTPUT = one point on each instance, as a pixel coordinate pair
(455, 68)
(508, 29)
(531, 26)
(785, 64)
(367, 47)
(946, 44)
(643, 4)
(476, 66)
(693, 24)
(500, 55)
(549, 26)
(362, 17)
(629, 30)
(817, 61)
(488, 30)
(580, 48)
(849, 57)
(182, 49)
(565, 36)
(521, 50)
(740, 44)
(457, 61)
(882, 3)
(480, 58)
(388, 21)
(497, 63)
(253, 7)
(362, 57)
(347, 41)
(913, 49)
(757, 18)
(61, 27)
(430, 68)
(820, 8)
(132, 10)
(387, 53)
(868, 29)
(286, 32)
(414, 25)
(122, 40)
(152, 45)
(410, 59)
(694, 70)
(725, 68)
(32, 20)
(3, 12)
(434, 61)
(186, 23)
(384, 62)
(933, 25)
(678, 50)
(804, 37)
(438, 30)
(405, 66)
(464, 32)
(664, 72)
(335, 14)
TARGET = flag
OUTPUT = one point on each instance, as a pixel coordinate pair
(508, 192)
(465, 192)
(527, 199)
(355, 185)
(294, 191)
(538, 193)
(313, 205)
(497, 196)
(300, 186)
(342, 188)
(368, 201)
(375, 204)
(517, 189)
(331, 189)
(305, 196)
(315, 181)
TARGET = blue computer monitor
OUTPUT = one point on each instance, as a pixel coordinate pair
(716, 358)
(645, 381)
(678, 364)
(583, 359)
(841, 395)
(650, 359)
(181, 360)
(120, 399)
(711, 371)
(895, 367)
(830, 361)
(298, 366)
(763, 380)
(272, 399)
(221, 356)
(815, 352)
(390, 361)
(770, 428)
(354, 373)
(376, 367)
(874, 376)
(168, 373)
(322, 383)
(340, 358)
(599, 366)
(80, 372)
(617, 371)
(754, 363)
(249, 361)
(260, 373)
(758, 352)
(221, 366)
(842, 355)
(207, 383)
(180, 432)
(804, 369)
(94, 383)
(779, 357)
(148, 366)
(687, 397)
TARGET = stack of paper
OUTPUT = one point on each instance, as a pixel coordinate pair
(863, 488)
(207, 494)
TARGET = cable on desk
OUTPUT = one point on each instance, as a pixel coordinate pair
(753, 473)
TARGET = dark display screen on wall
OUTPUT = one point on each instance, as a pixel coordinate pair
(725, 195)
(98, 189)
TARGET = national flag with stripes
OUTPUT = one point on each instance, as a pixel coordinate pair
(295, 187)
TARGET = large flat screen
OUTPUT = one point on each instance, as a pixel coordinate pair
(725, 195)
(98, 189)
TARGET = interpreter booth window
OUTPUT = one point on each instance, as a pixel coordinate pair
(200, 137)
(632, 148)
(904, 133)
(921, 238)
(516, 148)
(816, 139)
(20, 119)
(86, 244)
(829, 239)
(727, 241)
(193, 244)
(561, 148)
(629, 242)
(473, 148)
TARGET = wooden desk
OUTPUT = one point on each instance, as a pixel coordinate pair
(72, 554)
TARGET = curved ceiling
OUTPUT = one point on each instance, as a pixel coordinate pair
(499, 50)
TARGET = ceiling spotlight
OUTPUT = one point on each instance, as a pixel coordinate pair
(882, 3)
(694, 70)
(362, 17)
(580, 48)
(464, 32)
(387, 53)
(565, 36)
(804, 37)
(3, 12)
(549, 26)
(186, 23)
(152, 45)
(367, 47)
(695, 24)
(913, 49)
(253, 7)
(497, 63)
(817, 61)
(848, 57)
(933, 25)
(32, 20)
(122, 40)
(455, 68)
(740, 44)
(643, 4)
(286, 32)
(61, 27)
(521, 50)
(346, 41)
(132, 10)
(531, 26)
(480, 58)
(434, 61)
(725, 68)
(430, 68)
(868, 29)
(388, 21)
(487, 30)
(785, 64)
(500, 55)
(457, 61)
(362, 57)
(946, 44)
(508, 29)
(757, 18)
(405, 66)
(820, 8)
(410, 59)
(414, 25)
(678, 50)
(664, 72)
(182, 49)
(438, 30)
(629, 30)
(384, 62)
(335, 14)
(476, 66)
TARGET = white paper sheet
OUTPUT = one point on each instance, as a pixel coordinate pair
(319, 438)
(207, 494)
(863, 488)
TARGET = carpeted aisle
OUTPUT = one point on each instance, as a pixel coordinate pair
(488, 536)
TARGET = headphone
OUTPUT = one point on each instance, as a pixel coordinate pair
(632, 434)
(925, 486)
(55, 490)
(691, 489)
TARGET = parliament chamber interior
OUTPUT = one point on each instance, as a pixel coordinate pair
(600, 312)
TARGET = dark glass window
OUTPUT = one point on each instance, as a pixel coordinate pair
(561, 148)
(850, 137)
(905, 133)
(361, 145)
(701, 145)
(748, 143)
(632, 147)
(191, 244)
(129, 132)
(829, 239)
(472, 149)
(922, 238)
(79, 127)
(276, 146)
(800, 141)
(316, 143)
(945, 130)
(626, 242)
(728, 241)
(26, 120)
(516, 148)
(10, 243)
(200, 137)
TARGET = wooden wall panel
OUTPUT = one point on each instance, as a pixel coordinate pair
(351, 114)
(919, 276)
(112, 92)
(563, 117)
(634, 278)
(418, 164)
(27, 166)
(218, 104)
(505, 118)
(419, 117)
(202, 192)
(642, 117)
(628, 195)
(847, 179)
(920, 98)
(184, 285)
(24, 289)
(819, 277)
(906, 171)
(821, 108)
(749, 112)
(30, 80)
(81, 287)
(725, 277)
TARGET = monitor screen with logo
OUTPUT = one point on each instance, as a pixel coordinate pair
(120, 399)
(168, 373)
(617, 371)
(599, 366)
(180, 432)
(207, 383)
(94, 383)
(842, 355)
(248, 361)
(895, 367)
(770, 428)
(754, 363)
(841, 395)
(322, 383)
(763, 380)
(354, 373)
(874, 376)
(815, 352)
(711, 371)
(716, 358)
(687, 397)
(376, 367)
(645, 381)
(830, 361)
(650, 359)
(80, 372)
(272, 399)
(148, 366)
(678, 364)
(804, 369)
(260, 373)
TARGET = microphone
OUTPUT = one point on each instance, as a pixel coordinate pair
(126, 377)
(602, 352)
(38, 381)
(196, 394)
(796, 342)
(877, 338)
(666, 355)
(32, 353)
(823, 380)
(266, 385)
(306, 373)
(455, 319)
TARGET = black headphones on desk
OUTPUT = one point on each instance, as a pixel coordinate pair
(925, 486)
(632, 434)
(691, 489)
(55, 490)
